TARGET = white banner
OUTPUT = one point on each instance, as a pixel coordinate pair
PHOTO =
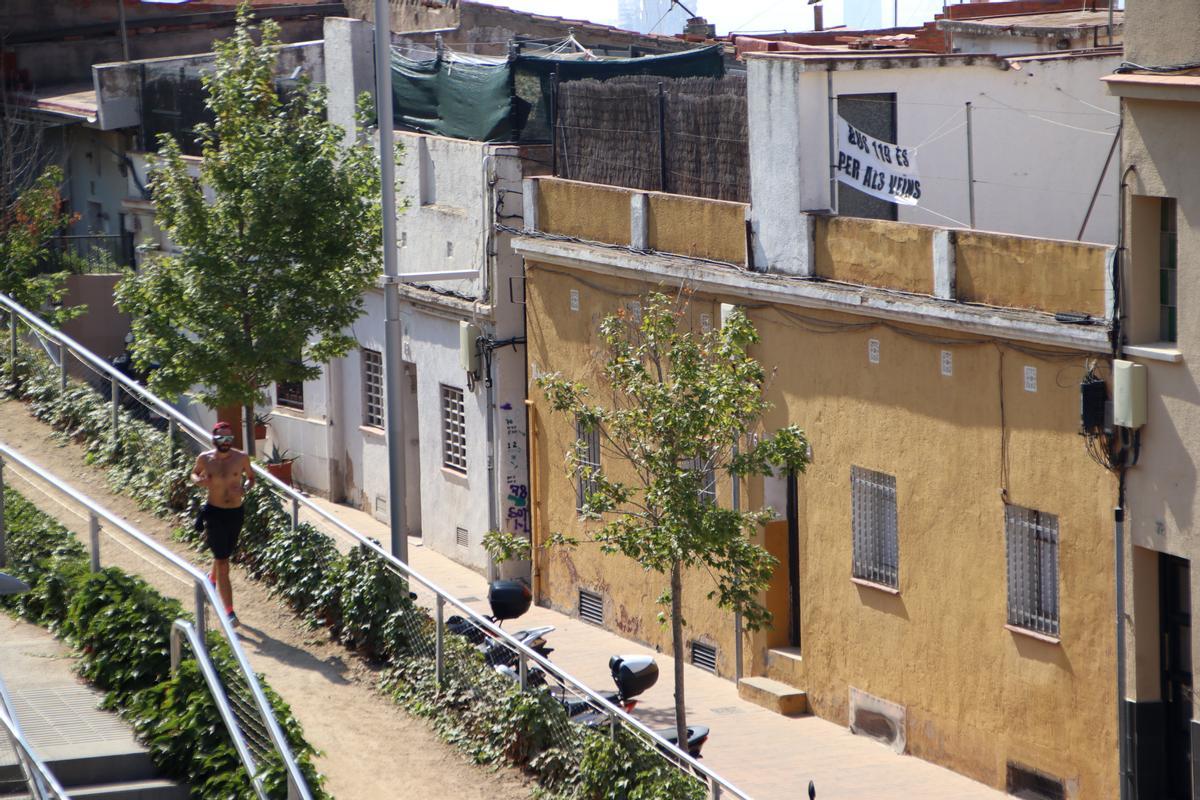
(881, 169)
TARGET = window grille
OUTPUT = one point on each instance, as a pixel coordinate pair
(454, 429)
(461, 537)
(1168, 262)
(372, 372)
(1032, 543)
(290, 394)
(876, 539)
(589, 458)
(708, 480)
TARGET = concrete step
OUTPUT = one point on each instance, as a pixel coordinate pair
(786, 665)
(774, 696)
(132, 790)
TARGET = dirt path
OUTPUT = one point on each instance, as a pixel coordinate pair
(372, 749)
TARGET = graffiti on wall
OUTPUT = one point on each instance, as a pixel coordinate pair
(513, 472)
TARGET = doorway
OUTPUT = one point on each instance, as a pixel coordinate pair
(793, 560)
(1175, 642)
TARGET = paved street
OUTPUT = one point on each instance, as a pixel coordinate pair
(769, 756)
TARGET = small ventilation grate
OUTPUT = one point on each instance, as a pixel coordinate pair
(704, 656)
(591, 607)
(1030, 784)
(462, 537)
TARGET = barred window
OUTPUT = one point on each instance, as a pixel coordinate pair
(589, 457)
(876, 538)
(708, 480)
(372, 375)
(454, 429)
(1032, 543)
(290, 394)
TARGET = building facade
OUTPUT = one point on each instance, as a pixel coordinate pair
(946, 573)
(1160, 114)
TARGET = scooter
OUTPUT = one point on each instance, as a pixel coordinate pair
(508, 599)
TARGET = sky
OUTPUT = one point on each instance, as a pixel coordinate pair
(750, 15)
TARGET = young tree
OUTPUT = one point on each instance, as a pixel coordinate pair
(272, 265)
(679, 408)
(29, 216)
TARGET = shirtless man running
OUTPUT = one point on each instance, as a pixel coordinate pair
(220, 471)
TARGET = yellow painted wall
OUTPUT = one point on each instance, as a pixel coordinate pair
(697, 227)
(976, 694)
(874, 252)
(1021, 272)
(584, 210)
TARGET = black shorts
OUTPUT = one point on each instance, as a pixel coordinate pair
(221, 529)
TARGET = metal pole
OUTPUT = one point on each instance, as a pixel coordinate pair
(295, 513)
(171, 444)
(662, 139)
(1122, 723)
(970, 168)
(124, 33)
(94, 539)
(738, 669)
(392, 328)
(201, 600)
(62, 367)
(116, 408)
(832, 114)
(438, 641)
(3, 523)
(12, 345)
(523, 670)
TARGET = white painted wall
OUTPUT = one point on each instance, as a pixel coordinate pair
(1041, 130)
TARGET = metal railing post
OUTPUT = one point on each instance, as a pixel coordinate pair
(116, 408)
(201, 601)
(293, 790)
(12, 345)
(438, 640)
(523, 666)
(170, 444)
(714, 789)
(295, 513)
(176, 649)
(612, 727)
(62, 367)
(94, 538)
(3, 521)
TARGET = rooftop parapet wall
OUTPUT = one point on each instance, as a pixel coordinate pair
(952, 265)
(1042, 274)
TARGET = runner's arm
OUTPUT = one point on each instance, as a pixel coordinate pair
(200, 472)
(250, 476)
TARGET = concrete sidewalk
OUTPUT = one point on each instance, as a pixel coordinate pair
(766, 755)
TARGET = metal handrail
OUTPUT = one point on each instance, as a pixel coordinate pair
(717, 785)
(205, 593)
(38, 776)
(182, 629)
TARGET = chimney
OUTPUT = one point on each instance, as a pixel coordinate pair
(818, 18)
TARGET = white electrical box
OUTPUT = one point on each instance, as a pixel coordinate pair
(468, 349)
(1129, 394)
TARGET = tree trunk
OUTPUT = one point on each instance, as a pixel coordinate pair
(678, 650)
(248, 426)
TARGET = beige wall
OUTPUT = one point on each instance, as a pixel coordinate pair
(102, 327)
(698, 227)
(1157, 143)
(1159, 32)
(1022, 272)
(872, 252)
(976, 694)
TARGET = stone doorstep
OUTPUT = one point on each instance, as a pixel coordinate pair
(774, 696)
(786, 665)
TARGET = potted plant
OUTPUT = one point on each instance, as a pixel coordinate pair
(279, 464)
(260, 425)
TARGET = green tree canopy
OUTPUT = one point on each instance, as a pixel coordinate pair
(28, 218)
(679, 408)
(276, 239)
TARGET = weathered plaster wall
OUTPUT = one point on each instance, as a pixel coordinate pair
(977, 695)
(584, 210)
(1159, 32)
(874, 252)
(704, 228)
(1030, 273)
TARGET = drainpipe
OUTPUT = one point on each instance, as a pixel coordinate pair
(1122, 717)
(493, 510)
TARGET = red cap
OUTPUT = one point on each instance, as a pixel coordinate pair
(221, 424)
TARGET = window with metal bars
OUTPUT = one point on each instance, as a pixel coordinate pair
(1032, 544)
(876, 538)
(589, 461)
(708, 480)
(372, 375)
(1168, 262)
(454, 429)
(290, 394)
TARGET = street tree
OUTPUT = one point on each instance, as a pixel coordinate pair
(275, 239)
(677, 408)
(29, 216)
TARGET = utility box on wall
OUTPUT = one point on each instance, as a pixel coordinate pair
(1129, 394)
(468, 347)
